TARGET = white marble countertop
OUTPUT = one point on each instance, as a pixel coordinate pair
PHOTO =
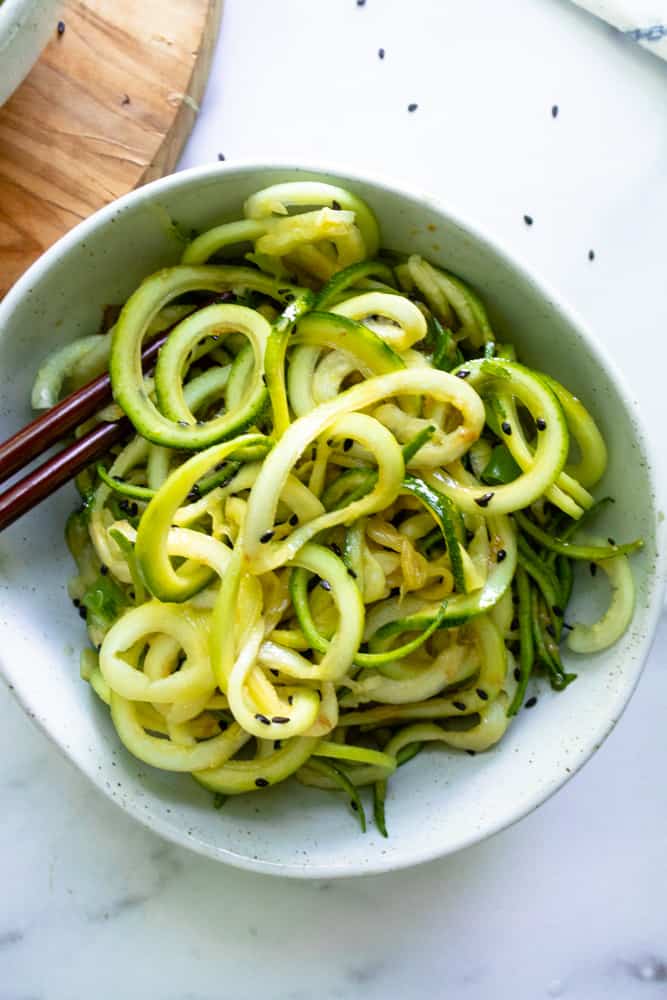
(571, 901)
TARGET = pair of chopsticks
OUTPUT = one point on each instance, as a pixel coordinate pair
(54, 425)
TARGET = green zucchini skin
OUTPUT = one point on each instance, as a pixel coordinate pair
(322, 329)
(127, 379)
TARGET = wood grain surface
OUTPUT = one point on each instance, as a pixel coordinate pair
(108, 107)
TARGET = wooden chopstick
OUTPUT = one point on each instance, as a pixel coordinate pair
(51, 475)
(40, 434)
(34, 439)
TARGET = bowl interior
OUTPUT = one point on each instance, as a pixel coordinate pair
(443, 799)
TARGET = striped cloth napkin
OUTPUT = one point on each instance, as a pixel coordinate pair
(645, 21)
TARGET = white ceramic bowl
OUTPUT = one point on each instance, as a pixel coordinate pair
(438, 803)
(25, 28)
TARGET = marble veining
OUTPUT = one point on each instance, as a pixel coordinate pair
(649, 969)
(8, 938)
(570, 902)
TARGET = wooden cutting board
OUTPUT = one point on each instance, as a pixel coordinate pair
(108, 107)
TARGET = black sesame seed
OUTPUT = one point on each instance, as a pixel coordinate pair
(312, 583)
(290, 699)
(541, 424)
(352, 573)
(506, 427)
(463, 373)
(412, 107)
(83, 613)
(131, 594)
(280, 720)
(347, 444)
(61, 27)
(336, 549)
(517, 674)
(261, 782)
(471, 753)
(266, 537)
(528, 219)
(221, 156)
(381, 53)
(394, 592)
(276, 673)
(277, 744)
(554, 111)
(593, 568)
(335, 205)
(460, 705)
(262, 718)
(183, 423)
(501, 555)
(294, 519)
(104, 569)
(484, 500)
(361, 3)
(325, 585)
(76, 602)
(591, 254)
(481, 693)
(557, 610)
(352, 802)
(611, 541)
(531, 702)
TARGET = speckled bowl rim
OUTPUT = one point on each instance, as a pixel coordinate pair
(16, 9)
(11, 6)
(401, 188)
(25, 26)
(13, 15)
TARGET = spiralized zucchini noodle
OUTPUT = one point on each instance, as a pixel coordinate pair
(346, 524)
